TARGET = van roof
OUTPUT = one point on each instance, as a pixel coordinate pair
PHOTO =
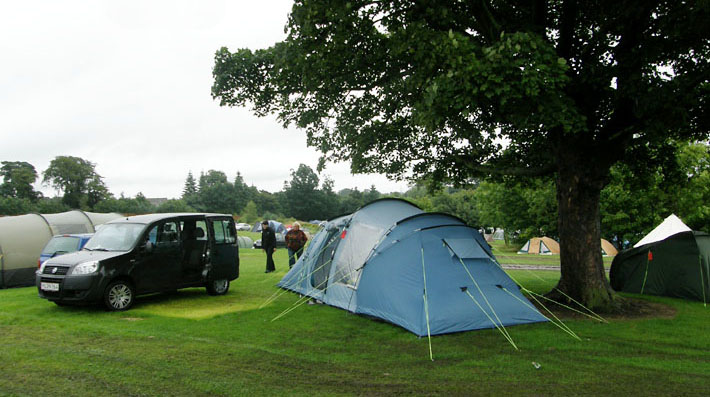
(80, 235)
(150, 218)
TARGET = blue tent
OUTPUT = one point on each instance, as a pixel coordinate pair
(421, 271)
(276, 226)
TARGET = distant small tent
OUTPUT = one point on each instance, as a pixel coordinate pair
(548, 246)
(608, 248)
(276, 226)
(540, 246)
(245, 242)
(429, 273)
(23, 237)
(675, 264)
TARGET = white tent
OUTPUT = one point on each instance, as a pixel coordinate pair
(670, 226)
(23, 237)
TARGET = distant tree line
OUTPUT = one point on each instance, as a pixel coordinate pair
(304, 197)
(632, 203)
(79, 186)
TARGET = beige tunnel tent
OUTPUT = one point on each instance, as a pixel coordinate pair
(23, 237)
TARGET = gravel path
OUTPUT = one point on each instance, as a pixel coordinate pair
(529, 267)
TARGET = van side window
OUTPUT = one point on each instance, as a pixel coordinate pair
(230, 232)
(224, 232)
(164, 234)
(153, 234)
(202, 225)
(193, 230)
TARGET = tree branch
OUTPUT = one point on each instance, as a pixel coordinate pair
(567, 22)
(496, 169)
(487, 25)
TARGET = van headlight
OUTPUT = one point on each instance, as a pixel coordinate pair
(85, 268)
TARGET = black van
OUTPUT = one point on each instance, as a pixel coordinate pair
(145, 254)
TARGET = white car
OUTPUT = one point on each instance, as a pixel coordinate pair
(243, 226)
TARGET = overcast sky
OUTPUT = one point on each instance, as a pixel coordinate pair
(126, 85)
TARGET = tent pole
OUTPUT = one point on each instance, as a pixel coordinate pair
(500, 327)
(278, 293)
(702, 280)
(594, 315)
(426, 308)
(643, 285)
(304, 298)
(2, 271)
(561, 326)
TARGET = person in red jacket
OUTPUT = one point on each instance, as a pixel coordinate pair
(295, 241)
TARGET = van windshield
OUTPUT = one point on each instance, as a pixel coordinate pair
(115, 237)
(61, 244)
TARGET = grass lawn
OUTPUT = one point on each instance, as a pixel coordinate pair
(191, 344)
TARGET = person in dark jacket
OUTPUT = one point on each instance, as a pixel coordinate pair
(268, 244)
(295, 241)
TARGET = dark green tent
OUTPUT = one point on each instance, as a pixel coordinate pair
(676, 266)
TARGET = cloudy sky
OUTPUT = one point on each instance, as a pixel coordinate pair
(126, 85)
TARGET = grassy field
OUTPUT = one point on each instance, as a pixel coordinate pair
(190, 344)
(508, 255)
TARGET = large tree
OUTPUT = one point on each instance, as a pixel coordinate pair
(241, 193)
(634, 202)
(329, 206)
(78, 179)
(461, 203)
(453, 90)
(17, 180)
(523, 210)
(126, 205)
(189, 191)
(216, 193)
(301, 194)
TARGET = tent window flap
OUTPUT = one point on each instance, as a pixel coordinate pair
(465, 248)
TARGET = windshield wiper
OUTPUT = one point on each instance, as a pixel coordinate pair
(97, 249)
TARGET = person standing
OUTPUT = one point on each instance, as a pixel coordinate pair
(268, 244)
(295, 241)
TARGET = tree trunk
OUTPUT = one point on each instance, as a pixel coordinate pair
(579, 183)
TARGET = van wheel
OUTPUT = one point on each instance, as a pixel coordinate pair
(218, 287)
(119, 296)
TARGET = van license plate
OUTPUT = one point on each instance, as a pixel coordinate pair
(49, 287)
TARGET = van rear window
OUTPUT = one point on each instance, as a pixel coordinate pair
(224, 233)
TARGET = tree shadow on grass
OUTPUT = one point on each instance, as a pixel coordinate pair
(627, 308)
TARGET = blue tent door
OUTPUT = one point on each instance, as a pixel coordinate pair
(324, 261)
